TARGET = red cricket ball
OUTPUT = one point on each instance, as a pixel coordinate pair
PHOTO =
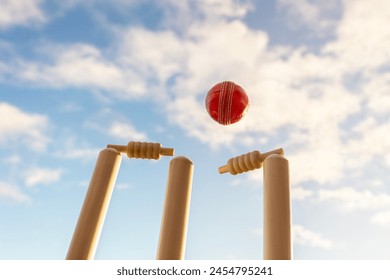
(227, 102)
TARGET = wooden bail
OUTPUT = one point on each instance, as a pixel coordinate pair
(247, 162)
(144, 150)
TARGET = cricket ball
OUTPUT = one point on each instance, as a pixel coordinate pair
(227, 102)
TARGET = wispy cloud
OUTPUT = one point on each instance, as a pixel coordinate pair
(12, 193)
(362, 33)
(12, 160)
(73, 148)
(318, 16)
(81, 65)
(180, 15)
(349, 199)
(123, 186)
(126, 132)
(299, 193)
(78, 153)
(306, 237)
(381, 218)
(26, 128)
(20, 12)
(374, 202)
(36, 176)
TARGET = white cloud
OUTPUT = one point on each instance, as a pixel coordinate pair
(123, 186)
(301, 10)
(10, 192)
(370, 136)
(155, 55)
(126, 132)
(381, 218)
(377, 93)
(36, 176)
(20, 12)
(26, 128)
(78, 153)
(12, 160)
(314, 15)
(73, 148)
(308, 106)
(180, 15)
(220, 8)
(303, 236)
(298, 193)
(293, 92)
(363, 35)
(81, 65)
(349, 199)
(313, 102)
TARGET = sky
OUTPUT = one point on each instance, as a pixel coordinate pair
(76, 75)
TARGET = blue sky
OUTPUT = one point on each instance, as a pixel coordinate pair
(77, 75)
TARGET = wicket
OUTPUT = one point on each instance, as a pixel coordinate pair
(277, 209)
(174, 222)
(93, 212)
